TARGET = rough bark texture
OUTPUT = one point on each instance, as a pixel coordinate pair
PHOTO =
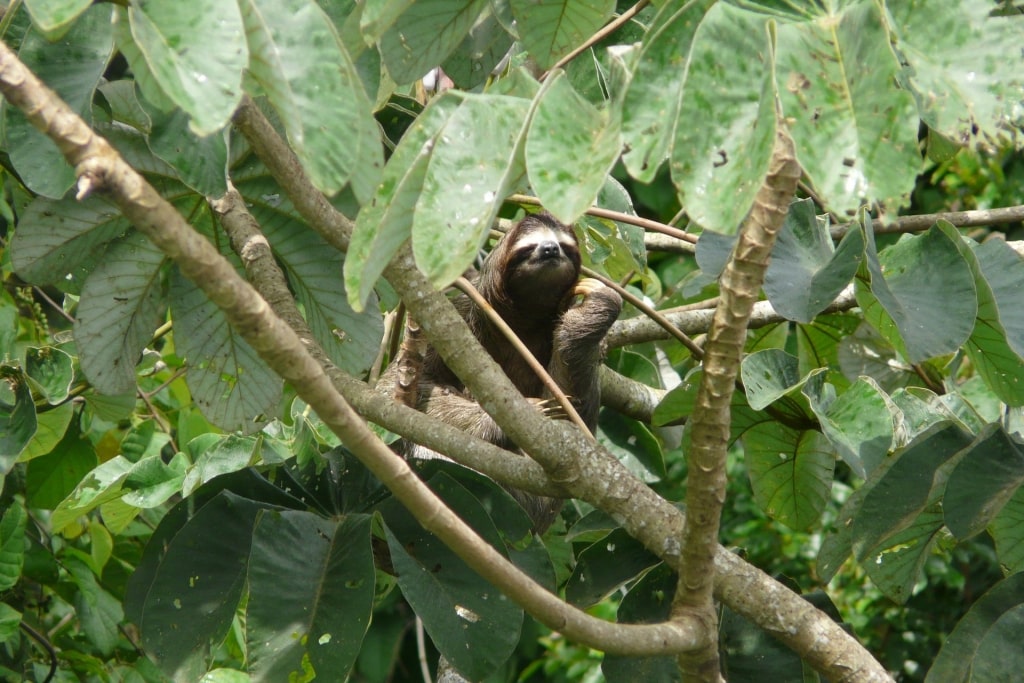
(706, 480)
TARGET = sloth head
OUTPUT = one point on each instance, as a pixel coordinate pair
(535, 265)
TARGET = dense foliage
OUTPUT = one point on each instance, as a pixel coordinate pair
(172, 511)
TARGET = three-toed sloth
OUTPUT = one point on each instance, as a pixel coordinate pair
(532, 279)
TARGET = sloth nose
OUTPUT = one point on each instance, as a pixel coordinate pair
(548, 249)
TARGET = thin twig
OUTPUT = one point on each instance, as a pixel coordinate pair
(605, 31)
(959, 219)
(654, 315)
(467, 288)
(645, 223)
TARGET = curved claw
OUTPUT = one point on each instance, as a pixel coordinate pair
(587, 285)
(551, 408)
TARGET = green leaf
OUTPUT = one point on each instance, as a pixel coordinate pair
(550, 29)
(807, 272)
(385, 222)
(718, 169)
(993, 620)
(478, 155)
(54, 17)
(229, 382)
(52, 477)
(604, 566)
(350, 339)
(196, 52)
(968, 88)
(860, 424)
(996, 346)
(790, 472)
(17, 416)
(230, 454)
(12, 544)
(323, 610)
(570, 149)
(921, 288)
(101, 485)
(122, 304)
(98, 611)
(771, 374)
(51, 425)
(192, 596)
(425, 34)
(471, 622)
(649, 601)
(1007, 531)
(151, 482)
(309, 78)
(73, 68)
(653, 98)
(855, 130)
(10, 620)
(896, 566)
(200, 162)
(985, 479)
(57, 237)
(51, 369)
(479, 52)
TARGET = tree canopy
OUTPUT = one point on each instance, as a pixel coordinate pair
(217, 215)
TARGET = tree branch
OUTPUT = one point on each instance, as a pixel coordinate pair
(604, 483)
(101, 168)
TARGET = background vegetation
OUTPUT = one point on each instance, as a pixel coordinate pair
(171, 508)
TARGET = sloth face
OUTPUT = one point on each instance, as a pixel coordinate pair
(542, 261)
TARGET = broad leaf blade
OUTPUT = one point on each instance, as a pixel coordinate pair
(988, 476)
(196, 51)
(855, 131)
(311, 81)
(550, 29)
(323, 608)
(122, 303)
(425, 34)
(570, 148)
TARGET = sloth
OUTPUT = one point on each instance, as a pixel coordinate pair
(532, 279)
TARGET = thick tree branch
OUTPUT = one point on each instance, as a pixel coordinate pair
(101, 168)
(641, 329)
(604, 482)
(706, 480)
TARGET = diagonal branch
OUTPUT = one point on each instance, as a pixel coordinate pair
(100, 168)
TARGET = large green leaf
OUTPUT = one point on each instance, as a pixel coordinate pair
(650, 110)
(479, 52)
(191, 598)
(987, 477)
(719, 168)
(101, 485)
(972, 83)
(860, 424)
(229, 382)
(54, 17)
(51, 477)
(922, 294)
(550, 29)
(52, 372)
(570, 148)
(425, 34)
(309, 78)
(1007, 531)
(99, 613)
(649, 601)
(473, 625)
(807, 272)
(17, 415)
(855, 130)
(996, 346)
(123, 302)
(323, 608)
(200, 162)
(478, 156)
(771, 374)
(12, 544)
(790, 472)
(385, 222)
(61, 237)
(73, 67)
(196, 51)
(993, 623)
(604, 566)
